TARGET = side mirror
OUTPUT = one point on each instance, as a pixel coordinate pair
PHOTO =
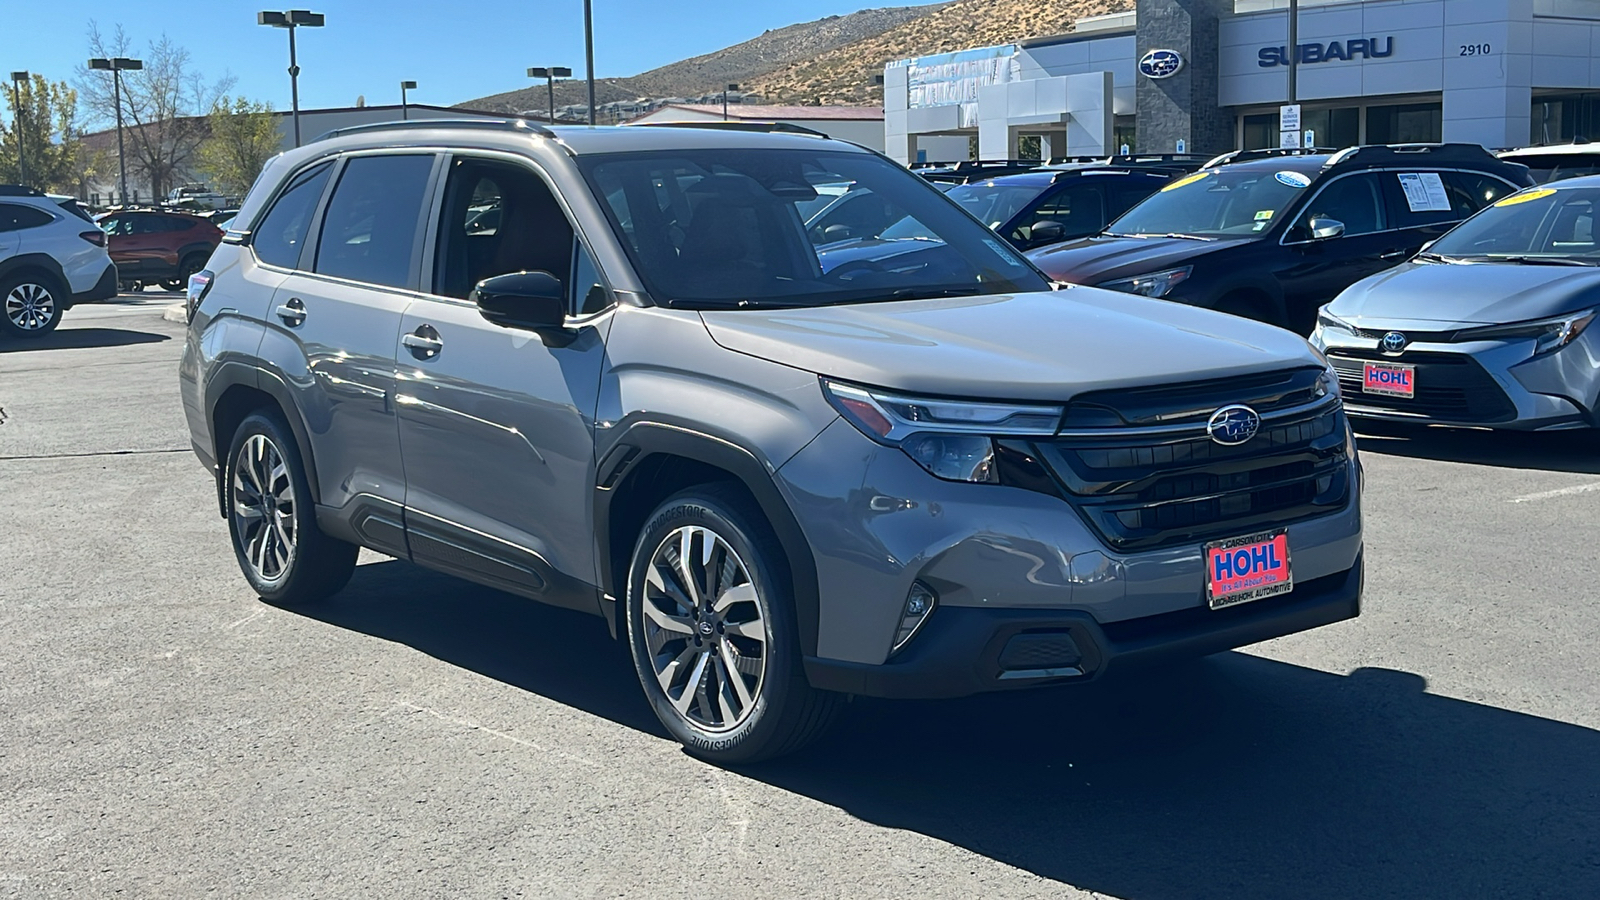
(1047, 232)
(533, 301)
(1326, 229)
(836, 233)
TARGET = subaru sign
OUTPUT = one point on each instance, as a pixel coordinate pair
(1161, 64)
(1353, 48)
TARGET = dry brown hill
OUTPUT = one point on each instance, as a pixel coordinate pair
(739, 64)
(845, 75)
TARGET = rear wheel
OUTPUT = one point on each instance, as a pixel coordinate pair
(711, 625)
(272, 520)
(190, 265)
(31, 306)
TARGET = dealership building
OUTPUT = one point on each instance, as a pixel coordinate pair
(1208, 76)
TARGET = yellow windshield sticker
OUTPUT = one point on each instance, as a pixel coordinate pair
(1265, 214)
(1185, 182)
(1526, 196)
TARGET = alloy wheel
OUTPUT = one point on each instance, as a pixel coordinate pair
(704, 628)
(264, 507)
(30, 306)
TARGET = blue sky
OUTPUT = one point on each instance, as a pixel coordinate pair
(455, 50)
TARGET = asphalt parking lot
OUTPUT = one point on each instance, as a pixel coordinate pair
(169, 734)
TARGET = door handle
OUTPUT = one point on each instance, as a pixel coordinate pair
(1402, 253)
(424, 343)
(293, 313)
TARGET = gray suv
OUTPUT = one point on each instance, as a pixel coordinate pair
(607, 369)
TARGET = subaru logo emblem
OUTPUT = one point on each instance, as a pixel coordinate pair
(1231, 426)
(705, 628)
(1160, 64)
(1393, 342)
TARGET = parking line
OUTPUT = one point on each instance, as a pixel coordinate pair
(1559, 492)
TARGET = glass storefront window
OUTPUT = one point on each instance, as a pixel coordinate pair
(1260, 132)
(1564, 118)
(1412, 123)
(1338, 128)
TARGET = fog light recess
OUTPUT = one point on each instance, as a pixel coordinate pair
(919, 606)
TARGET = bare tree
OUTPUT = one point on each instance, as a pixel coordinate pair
(165, 105)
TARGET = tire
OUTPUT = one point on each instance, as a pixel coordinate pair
(190, 265)
(30, 306)
(292, 562)
(754, 637)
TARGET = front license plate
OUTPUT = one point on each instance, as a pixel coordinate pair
(1389, 379)
(1239, 570)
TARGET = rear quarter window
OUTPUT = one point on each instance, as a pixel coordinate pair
(16, 217)
(281, 234)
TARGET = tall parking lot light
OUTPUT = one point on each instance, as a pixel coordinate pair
(116, 65)
(550, 75)
(17, 78)
(588, 50)
(404, 107)
(292, 19)
(731, 87)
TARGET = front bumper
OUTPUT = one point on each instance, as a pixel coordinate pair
(970, 651)
(1494, 384)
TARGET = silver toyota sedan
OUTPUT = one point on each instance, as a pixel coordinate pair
(1489, 326)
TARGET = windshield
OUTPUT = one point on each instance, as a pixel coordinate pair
(1538, 223)
(994, 204)
(1215, 203)
(722, 228)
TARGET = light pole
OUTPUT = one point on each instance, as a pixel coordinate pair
(117, 65)
(588, 50)
(404, 109)
(550, 75)
(292, 19)
(17, 78)
(731, 87)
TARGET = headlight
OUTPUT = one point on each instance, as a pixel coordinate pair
(1330, 322)
(1328, 383)
(949, 438)
(1156, 284)
(1548, 334)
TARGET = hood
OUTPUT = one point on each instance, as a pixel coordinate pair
(1099, 259)
(1462, 294)
(1046, 346)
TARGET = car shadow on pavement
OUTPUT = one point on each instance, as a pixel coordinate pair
(1230, 777)
(1560, 451)
(83, 339)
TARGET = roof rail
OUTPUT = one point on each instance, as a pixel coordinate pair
(1401, 152)
(742, 125)
(18, 190)
(416, 124)
(1237, 156)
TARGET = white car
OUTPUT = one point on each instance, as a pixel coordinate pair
(51, 257)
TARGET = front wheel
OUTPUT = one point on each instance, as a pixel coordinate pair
(711, 625)
(272, 519)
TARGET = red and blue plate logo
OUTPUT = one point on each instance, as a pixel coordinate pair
(1249, 568)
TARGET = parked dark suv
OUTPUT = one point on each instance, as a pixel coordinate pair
(784, 472)
(159, 246)
(1273, 235)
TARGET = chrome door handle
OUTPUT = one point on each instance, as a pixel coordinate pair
(424, 343)
(1395, 254)
(293, 313)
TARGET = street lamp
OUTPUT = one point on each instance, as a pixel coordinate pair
(588, 51)
(550, 75)
(17, 78)
(731, 87)
(405, 86)
(294, 18)
(116, 65)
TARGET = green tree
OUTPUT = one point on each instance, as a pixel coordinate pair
(244, 135)
(47, 115)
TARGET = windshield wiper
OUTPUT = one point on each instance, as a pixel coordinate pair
(1435, 257)
(1541, 260)
(1186, 237)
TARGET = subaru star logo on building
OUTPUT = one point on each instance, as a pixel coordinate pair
(1161, 63)
(1393, 342)
(1231, 426)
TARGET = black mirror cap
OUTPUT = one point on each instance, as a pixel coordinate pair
(1048, 231)
(535, 301)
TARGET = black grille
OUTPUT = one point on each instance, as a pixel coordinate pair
(1040, 650)
(1150, 487)
(1449, 386)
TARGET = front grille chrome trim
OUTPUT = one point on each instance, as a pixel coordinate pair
(1189, 431)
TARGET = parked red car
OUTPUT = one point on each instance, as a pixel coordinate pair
(158, 246)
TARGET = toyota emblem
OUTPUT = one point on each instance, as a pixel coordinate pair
(1231, 426)
(1393, 342)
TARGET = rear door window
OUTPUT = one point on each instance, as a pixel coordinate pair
(281, 234)
(1420, 198)
(371, 230)
(16, 217)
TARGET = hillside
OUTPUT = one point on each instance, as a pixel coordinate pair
(844, 75)
(739, 64)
